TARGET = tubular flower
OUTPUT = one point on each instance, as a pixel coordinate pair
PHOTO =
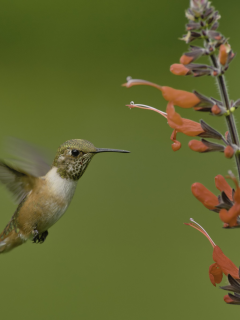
(222, 263)
(179, 98)
(222, 185)
(231, 216)
(205, 146)
(226, 205)
(208, 199)
(234, 286)
(176, 122)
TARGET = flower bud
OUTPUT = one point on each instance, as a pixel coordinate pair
(215, 109)
(223, 53)
(229, 152)
(215, 35)
(189, 15)
(197, 146)
(179, 69)
(205, 196)
(185, 59)
(205, 146)
(176, 145)
(193, 55)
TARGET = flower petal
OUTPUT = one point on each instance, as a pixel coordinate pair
(180, 98)
(176, 144)
(208, 199)
(227, 299)
(215, 274)
(186, 126)
(227, 266)
(222, 185)
(230, 216)
(173, 116)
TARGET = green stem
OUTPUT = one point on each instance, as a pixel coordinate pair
(230, 119)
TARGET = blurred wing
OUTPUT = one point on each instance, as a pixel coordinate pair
(17, 182)
(19, 174)
(27, 157)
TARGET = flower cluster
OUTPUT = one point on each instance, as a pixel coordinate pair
(227, 204)
(203, 24)
(222, 264)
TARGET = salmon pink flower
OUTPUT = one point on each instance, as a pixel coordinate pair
(204, 146)
(222, 263)
(227, 204)
(208, 199)
(234, 286)
(179, 98)
(222, 185)
(176, 122)
(203, 194)
(231, 216)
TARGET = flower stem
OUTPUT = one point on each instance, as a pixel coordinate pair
(230, 118)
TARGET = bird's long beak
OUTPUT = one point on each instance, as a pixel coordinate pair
(110, 150)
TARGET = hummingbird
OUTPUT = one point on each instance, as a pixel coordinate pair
(43, 199)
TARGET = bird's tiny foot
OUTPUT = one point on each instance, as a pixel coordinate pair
(36, 238)
(43, 236)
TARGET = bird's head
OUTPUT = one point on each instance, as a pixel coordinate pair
(74, 155)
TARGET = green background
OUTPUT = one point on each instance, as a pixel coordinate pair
(121, 251)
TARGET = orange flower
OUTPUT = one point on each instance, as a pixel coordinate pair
(179, 69)
(230, 216)
(228, 300)
(179, 98)
(222, 263)
(176, 122)
(186, 126)
(222, 185)
(208, 199)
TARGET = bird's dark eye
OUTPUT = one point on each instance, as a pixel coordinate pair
(75, 152)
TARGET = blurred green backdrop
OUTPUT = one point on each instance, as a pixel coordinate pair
(121, 251)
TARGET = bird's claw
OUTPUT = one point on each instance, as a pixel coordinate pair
(39, 238)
